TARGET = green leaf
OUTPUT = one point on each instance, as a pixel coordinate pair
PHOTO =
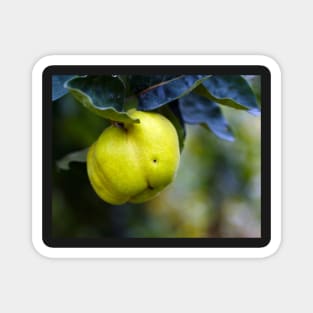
(255, 83)
(58, 89)
(102, 95)
(77, 156)
(172, 112)
(139, 83)
(131, 102)
(230, 90)
(200, 110)
(168, 91)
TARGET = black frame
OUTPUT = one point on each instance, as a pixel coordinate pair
(158, 242)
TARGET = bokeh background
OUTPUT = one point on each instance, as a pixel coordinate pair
(216, 192)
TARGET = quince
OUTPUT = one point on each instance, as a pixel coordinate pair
(134, 162)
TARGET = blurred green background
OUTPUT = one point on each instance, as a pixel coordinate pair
(216, 192)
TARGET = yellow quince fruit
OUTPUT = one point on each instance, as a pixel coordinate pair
(134, 162)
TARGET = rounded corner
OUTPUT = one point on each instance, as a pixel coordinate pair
(270, 63)
(42, 64)
(42, 247)
(271, 247)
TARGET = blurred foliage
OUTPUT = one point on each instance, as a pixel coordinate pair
(216, 192)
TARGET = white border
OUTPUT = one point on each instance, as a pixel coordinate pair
(44, 250)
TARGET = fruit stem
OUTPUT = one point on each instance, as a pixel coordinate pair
(119, 125)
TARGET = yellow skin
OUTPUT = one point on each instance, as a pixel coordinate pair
(134, 162)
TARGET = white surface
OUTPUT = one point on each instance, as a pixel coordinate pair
(37, 83)
(32, 29)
